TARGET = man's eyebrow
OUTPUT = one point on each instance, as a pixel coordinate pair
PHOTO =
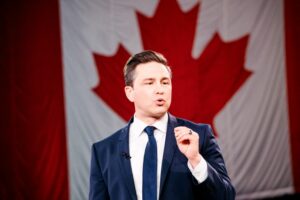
(148, 79)
(165, 78)
(151, 79)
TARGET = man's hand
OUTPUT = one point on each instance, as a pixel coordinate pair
(188, 144)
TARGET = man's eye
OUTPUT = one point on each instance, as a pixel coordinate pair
(166, 82)
(148, 83)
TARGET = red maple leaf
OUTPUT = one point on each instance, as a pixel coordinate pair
(201, 87)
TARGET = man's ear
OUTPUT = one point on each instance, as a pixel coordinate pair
(129, 93)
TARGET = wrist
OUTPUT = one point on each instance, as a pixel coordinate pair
(195, 160)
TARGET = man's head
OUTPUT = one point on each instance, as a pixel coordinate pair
(148, 84)
(140, 58)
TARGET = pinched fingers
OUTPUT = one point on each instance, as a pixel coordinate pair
(183, 133)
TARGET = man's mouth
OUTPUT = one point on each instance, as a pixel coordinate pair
(160, 102)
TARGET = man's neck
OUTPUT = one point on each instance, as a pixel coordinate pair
(149, 120)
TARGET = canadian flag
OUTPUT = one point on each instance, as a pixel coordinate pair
(234, 64)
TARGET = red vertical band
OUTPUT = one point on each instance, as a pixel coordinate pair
(33, 136)
(292, 40)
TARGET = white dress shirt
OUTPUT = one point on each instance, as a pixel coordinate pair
(137, 144)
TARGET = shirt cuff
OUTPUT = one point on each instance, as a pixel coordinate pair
(200, 171)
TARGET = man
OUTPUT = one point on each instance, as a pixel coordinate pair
(157, 156)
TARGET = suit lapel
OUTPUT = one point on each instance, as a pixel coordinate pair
(170, 147)
(124, 161)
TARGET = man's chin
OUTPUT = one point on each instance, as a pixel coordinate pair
(159, 114)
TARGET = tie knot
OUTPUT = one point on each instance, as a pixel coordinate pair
(149, 130)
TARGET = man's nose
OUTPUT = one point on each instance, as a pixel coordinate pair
(159, 89)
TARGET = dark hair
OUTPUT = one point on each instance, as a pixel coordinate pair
(139, 58)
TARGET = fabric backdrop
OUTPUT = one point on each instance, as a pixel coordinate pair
(234, 66)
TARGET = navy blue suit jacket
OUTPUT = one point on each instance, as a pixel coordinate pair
(111, 175)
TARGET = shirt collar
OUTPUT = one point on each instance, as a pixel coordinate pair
(138, 125)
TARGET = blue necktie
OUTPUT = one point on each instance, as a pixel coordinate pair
(150, 167)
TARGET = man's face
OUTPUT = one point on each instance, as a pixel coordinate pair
(152, 90)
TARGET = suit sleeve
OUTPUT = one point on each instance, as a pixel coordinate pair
(98, 188)
(217, 185)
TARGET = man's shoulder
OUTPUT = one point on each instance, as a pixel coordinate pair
(192, 125)
(111, 139)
